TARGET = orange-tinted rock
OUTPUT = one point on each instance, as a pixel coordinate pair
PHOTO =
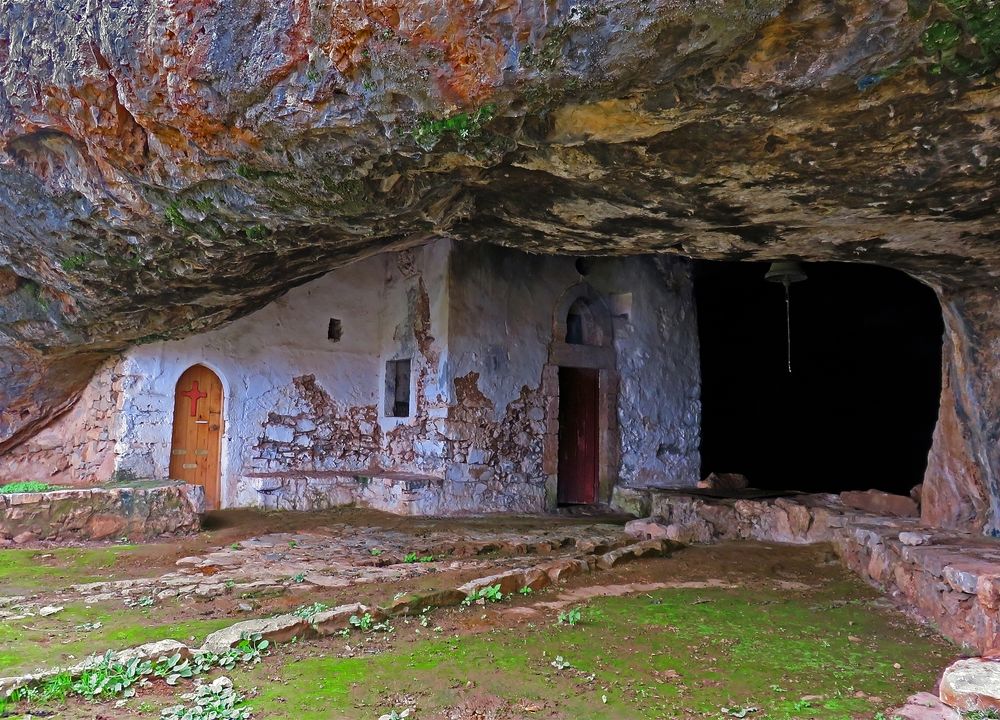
(880, 503)
(724, 481)
(971, 684)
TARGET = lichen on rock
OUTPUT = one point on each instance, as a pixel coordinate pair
(166, 167)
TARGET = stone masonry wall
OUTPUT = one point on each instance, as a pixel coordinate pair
(305, 412)
(950, 579)
(78, 449)
(501, 332)
(100, 513)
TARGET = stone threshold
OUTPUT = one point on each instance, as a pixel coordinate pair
(948, 579)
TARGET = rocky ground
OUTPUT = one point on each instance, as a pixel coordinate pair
(732, 630)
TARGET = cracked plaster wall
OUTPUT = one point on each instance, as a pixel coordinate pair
(500, 336)
(295, 401)
(305, 419)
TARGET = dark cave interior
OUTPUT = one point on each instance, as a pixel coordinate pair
(859, 407)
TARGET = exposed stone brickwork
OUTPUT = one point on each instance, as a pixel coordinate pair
(499, 462)
(79, 448)
(100, 513)
(321, 435)
(325, 455)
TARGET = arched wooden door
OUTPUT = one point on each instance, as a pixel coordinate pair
(196, 448)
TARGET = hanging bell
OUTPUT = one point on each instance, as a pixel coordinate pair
(786, 272)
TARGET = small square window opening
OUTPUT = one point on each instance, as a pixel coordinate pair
(397, 388)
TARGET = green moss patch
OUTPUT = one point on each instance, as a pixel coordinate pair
(25, 487)
(78, 631)
(33, 570)
(964, 36)
(673, 653)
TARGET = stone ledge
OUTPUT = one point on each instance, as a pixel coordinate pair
(100, 513)
(951, 579)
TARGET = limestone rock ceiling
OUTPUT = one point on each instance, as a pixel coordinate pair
(168, 165)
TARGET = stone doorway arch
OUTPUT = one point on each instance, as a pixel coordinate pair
(583, 378)
(196, 443)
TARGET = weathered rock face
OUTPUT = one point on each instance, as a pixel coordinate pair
(166, 166)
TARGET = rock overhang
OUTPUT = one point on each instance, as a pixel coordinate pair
(166, 168)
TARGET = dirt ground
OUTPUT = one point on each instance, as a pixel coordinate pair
(733, 630)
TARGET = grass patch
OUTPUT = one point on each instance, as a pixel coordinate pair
(25, 487)
(37, 642)
(674, 653)
(33, 570)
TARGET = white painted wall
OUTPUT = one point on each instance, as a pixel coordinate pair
(453, 309)
(258, 356)
(501, 327)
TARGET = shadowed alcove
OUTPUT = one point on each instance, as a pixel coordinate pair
(859, 407)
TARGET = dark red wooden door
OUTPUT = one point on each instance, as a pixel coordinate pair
(577, 435)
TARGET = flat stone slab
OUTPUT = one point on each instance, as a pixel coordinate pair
(972, 684)
(924, 706)
(280, 628)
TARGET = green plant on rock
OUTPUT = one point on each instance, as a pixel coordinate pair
(247, 651)
(964, 39)
(203, 662)
(410, 557)
(395, 715)
(110, 678)
(490, 593)
(307, 612)
(212, 701)
(172, 214)
(366, 623)
(57, 687)
(75, 262)
(256, 232)
(173, 668)
(462, 126)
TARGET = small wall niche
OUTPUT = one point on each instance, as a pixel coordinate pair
(397, 388)
(335, 330)
(621, 305)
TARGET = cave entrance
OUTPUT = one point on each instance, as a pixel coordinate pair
(859, 407)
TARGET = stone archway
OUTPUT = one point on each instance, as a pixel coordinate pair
(196, 441)
(582, 379)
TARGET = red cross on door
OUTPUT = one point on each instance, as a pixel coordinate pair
(195, 395)
(196, 442)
